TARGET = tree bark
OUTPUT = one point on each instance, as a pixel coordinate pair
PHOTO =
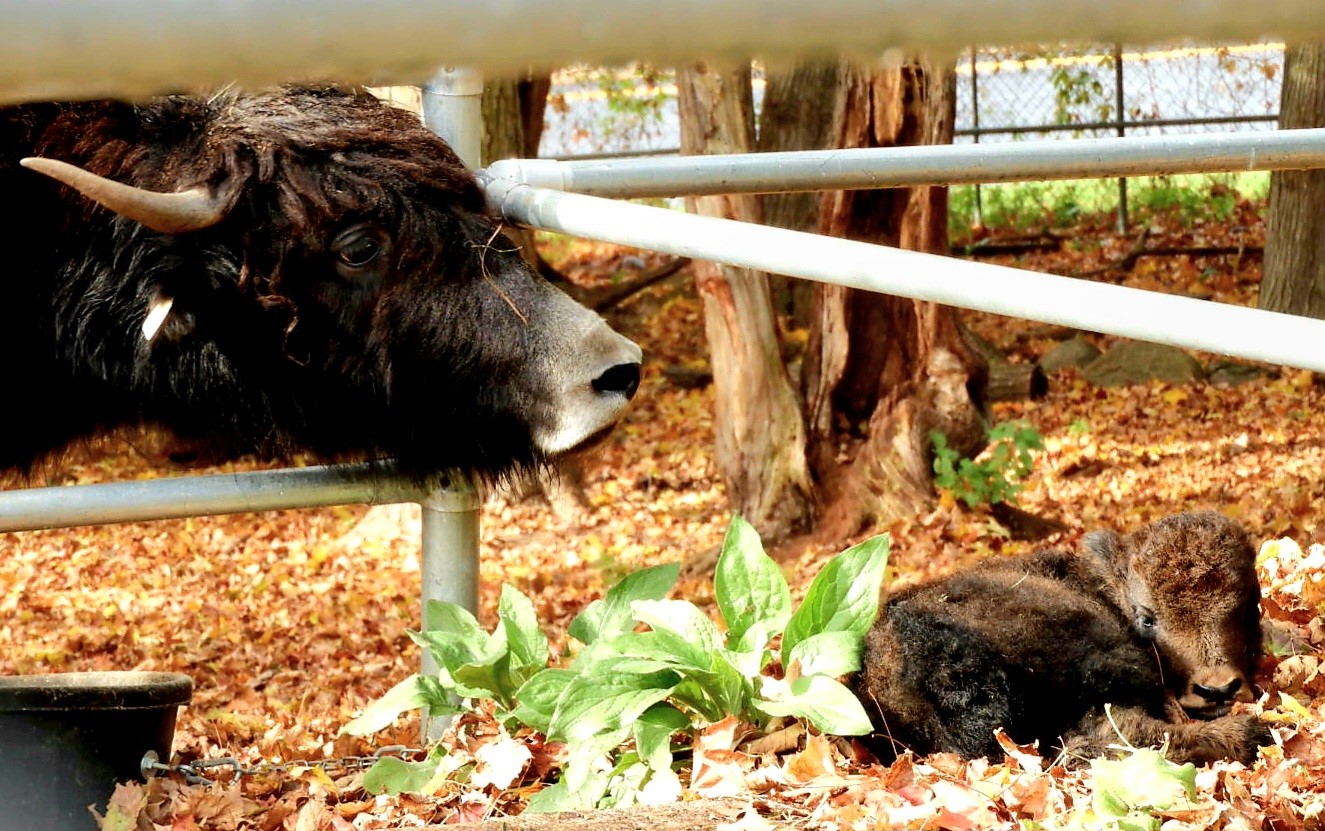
(797, 115)
(760, 436)
(513, 111)
(533, 90)
(1293, 278)
(512, 128)
(881, 372)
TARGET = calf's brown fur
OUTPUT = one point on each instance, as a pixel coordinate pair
(1163, 618)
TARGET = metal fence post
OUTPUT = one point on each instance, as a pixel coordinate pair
(452, 108)
(1120, 115)
(975, 128)
(449, 569)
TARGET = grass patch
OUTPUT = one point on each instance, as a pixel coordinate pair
(1063, 204)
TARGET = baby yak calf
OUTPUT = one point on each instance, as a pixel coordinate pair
(1039, 644)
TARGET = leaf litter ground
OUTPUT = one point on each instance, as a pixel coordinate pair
(290, 622)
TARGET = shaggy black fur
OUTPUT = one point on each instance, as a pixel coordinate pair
(424, 358)
(1038, 645)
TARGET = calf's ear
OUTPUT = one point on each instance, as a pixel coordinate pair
(1107, 549)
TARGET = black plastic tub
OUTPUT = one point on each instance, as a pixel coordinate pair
(67, 738)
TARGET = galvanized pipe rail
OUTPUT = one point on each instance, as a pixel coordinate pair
(1099, 307)
(889, 167)
(89, 48)
(35, 509)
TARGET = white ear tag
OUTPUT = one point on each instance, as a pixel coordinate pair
(157, 313)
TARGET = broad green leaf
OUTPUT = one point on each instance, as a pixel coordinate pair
(606, 701)
(555, 798)
(828, 653)
(653, 734)
(825, 703)
(694, 695)
(487, 679)
(526, 643)
(843, 597)
(732, 689)
(452, 650)
(558, 797)
(392, 776)
(537, 698)
(581, 772)
(718, 692)
(748, 662)
(637, 653)
(444, 616)
(625, 782)
(693, 635)
(1142, 782)
(468, 671)
(658, 647)
(415, 692)
(611, 616)
(749, 587)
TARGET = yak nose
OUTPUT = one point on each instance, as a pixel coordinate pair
(622, 379)
(1218, 695)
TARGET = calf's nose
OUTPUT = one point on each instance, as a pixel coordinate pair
(1218, 694)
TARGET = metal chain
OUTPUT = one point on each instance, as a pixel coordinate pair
(193, 772)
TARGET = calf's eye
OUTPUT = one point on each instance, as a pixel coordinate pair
(1145, 623)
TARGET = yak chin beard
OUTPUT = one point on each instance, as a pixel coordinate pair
(579, 430)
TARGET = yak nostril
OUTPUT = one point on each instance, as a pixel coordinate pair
(622, 379)
(1218, 694)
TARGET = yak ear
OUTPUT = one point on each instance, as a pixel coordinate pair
(165, 322)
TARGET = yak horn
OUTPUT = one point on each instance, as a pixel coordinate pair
(169, 213)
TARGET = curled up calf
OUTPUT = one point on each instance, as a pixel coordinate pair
(1162, 625)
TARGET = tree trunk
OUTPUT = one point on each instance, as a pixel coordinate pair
(512, 127)
(1294, 272)
(532, 91)
(797, 115)
(513, 116)
(881, 372)
(760, 436)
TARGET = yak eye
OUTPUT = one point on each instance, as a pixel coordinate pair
(1145, 622)
(359, 247)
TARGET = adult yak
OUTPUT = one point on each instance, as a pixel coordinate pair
(297, 269)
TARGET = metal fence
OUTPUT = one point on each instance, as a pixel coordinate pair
(1113, 90)
(189, 42)
(1064, 91)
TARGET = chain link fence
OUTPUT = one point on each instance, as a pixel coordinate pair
(1002, 95)
(1111, 90)
(1115, 90)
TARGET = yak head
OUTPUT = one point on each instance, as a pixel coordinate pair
(311, 269)
(1187, 584)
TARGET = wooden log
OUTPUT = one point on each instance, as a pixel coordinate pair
(1015, 382)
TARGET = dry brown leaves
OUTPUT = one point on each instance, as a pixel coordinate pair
(290, 622)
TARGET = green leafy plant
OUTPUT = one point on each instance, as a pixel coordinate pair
(996, 476)
(1132, 793)
(650, 668)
